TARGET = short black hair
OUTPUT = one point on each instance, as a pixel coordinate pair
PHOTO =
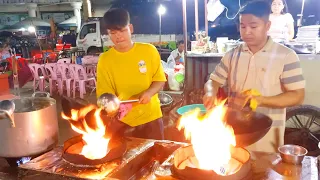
(116, 19)
(260, 9)
(180, 42)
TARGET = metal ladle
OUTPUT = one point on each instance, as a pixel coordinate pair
(111, 103)
(7, 107)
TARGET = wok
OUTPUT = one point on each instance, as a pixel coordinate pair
(114, 128)
(249, 127)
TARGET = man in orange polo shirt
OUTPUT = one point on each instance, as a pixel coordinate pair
(132, 70)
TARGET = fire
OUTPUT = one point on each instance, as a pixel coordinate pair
(96, 146)
(211, 138)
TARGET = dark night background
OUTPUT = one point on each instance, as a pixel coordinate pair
(145, 19)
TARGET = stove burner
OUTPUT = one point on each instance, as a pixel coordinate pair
(15, 162)
(72, 149)
(185, 168)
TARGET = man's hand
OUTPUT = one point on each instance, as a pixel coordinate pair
(208, 100)
(124, 109)
(211, 89)
(240, 101)
(259, 99)
(283, 100)
(177, 58)
(145, 97)
(154, 88)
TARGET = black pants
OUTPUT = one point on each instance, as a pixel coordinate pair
(150, 130)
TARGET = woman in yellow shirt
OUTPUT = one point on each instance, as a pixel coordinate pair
(132, 70)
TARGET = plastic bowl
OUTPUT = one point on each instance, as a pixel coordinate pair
(184, 109)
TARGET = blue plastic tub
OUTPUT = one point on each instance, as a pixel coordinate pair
(187, 108)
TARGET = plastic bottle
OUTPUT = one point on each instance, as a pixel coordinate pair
(73, 59)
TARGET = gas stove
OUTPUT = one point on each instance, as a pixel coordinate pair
(141, 159)
(150, 159)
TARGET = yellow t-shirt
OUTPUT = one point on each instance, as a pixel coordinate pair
(129, 74)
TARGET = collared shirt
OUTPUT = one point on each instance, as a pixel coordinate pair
(272, 71)
(175, 53)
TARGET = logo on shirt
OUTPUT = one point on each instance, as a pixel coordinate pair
(142, 66)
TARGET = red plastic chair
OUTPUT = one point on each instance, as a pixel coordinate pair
(35, 52)
(10, 63)
(52, 57)
(59, 47)
(67, 46)
(38, 58)
(22, 63)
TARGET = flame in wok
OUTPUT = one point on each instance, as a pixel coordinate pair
(96, 144)
(211, 137)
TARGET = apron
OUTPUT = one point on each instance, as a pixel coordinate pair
(275, 136)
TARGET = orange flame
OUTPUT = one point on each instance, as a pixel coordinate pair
(96, 146)
(211, 138)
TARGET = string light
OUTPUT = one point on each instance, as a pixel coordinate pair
(240, 7)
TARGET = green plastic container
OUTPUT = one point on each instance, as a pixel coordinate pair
(179, 77)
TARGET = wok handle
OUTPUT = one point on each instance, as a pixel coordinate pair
(6, 115)
(39, 94)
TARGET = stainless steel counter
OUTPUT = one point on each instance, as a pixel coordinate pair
(144, 156)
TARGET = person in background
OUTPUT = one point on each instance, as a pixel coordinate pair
(70, 38)
(177, 55)
(4, 51)
(132, 70)
(282, 23)
(263, 65)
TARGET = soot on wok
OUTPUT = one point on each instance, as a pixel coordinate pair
(73, 146)
(86, 118)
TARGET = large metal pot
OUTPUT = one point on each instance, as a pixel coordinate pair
(32, 129)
